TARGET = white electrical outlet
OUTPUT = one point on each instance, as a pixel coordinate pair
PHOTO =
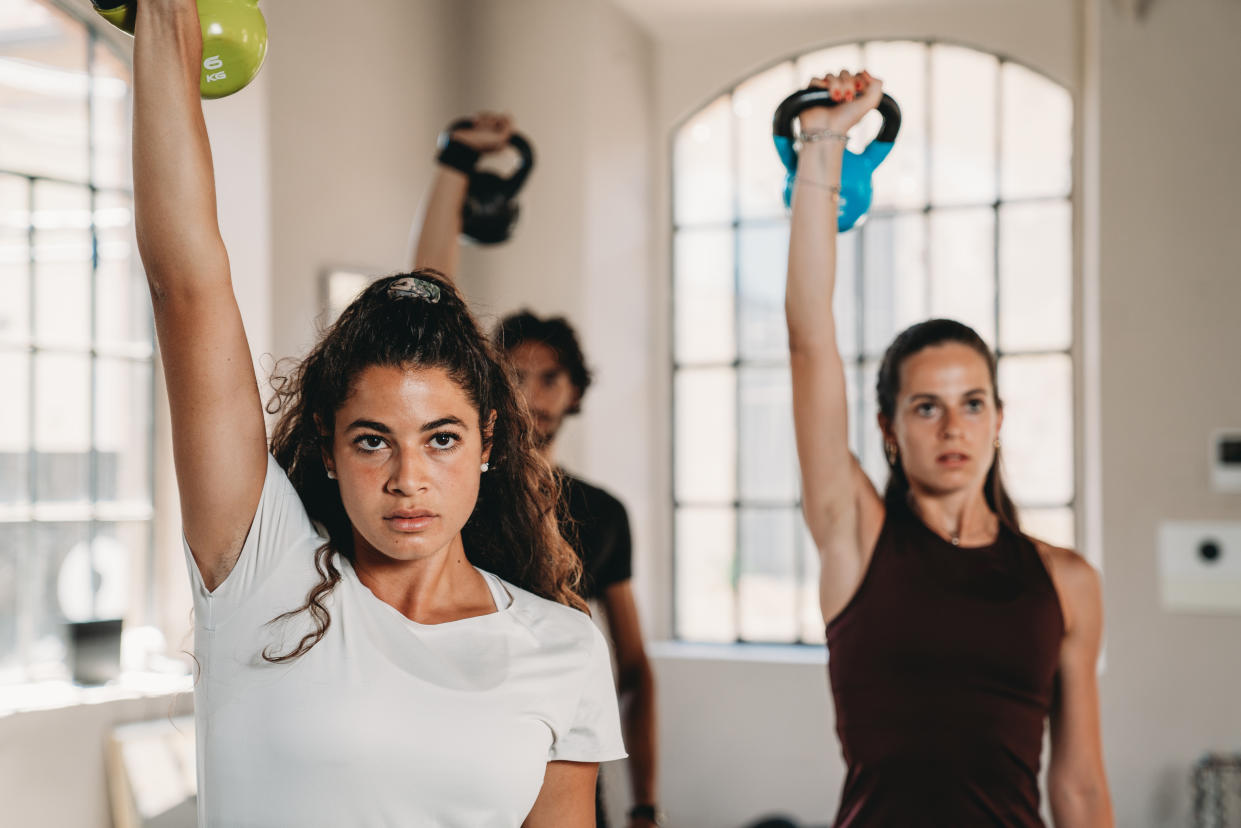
(1200, 566)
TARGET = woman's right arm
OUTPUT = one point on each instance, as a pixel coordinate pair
(837, 506)
(218, 434)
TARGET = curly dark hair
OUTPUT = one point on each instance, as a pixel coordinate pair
(907, 343)
(556, 333)
(513, 529)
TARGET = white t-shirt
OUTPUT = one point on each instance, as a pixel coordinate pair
(385, 722)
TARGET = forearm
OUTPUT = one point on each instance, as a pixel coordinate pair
(812, 243)
(437, 245)
(567, 798)
(174, 185)
(1081, 806)
(637, 699)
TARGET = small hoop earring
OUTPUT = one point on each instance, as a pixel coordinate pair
(997, 442)
(892, 453)
(485, 467)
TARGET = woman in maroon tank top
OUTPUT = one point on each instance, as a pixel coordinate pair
(953, 638)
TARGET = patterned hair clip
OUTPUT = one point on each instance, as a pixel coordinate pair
(411, 287)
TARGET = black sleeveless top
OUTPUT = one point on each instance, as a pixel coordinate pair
(943, 667)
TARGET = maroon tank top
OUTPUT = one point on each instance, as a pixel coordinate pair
(943, 667)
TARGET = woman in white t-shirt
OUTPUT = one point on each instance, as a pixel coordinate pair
(385, 618)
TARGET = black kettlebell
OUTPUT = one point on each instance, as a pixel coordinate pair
(491, 210)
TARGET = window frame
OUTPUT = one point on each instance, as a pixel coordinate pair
(135, 356)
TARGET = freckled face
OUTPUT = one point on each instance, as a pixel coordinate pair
(946, 421)
(407, 452)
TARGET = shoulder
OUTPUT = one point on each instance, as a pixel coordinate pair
(1075, 571)
(597, 498)
(551, 623)
(1076, 580)
(277, 487)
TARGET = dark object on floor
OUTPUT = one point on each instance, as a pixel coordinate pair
(96, 648)
(1217, 791)
(774, 822)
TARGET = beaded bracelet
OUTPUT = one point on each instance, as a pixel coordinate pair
(821, 135)
(832, 189)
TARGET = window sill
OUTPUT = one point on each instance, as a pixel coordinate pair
(810, 654)
(55, 695)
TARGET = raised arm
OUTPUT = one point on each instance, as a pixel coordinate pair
(218, 436)
(438, 231)
(831, 492)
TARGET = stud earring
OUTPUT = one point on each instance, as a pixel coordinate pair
(997, 442)
(331, 475)
(485, 467)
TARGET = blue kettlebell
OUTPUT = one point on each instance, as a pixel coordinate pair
(856, 169)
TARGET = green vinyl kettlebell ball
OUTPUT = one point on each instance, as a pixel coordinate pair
(234, 40)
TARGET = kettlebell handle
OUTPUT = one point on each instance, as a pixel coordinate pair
(518, 179)
(517, 141)
(800, 101)
(120, 13)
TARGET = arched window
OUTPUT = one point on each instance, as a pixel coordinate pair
(76, 354)
(972, 219)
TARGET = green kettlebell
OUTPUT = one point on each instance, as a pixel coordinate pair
(234, 40)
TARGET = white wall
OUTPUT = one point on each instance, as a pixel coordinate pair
(52, 772)
(620, 277)
(745, 735)
(357, 99)
(1169, 292)
(543, 89)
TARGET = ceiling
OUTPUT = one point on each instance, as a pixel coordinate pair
(665, 16)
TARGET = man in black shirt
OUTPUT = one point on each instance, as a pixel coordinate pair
(553, 377)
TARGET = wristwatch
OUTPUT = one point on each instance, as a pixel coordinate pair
(648, 812)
